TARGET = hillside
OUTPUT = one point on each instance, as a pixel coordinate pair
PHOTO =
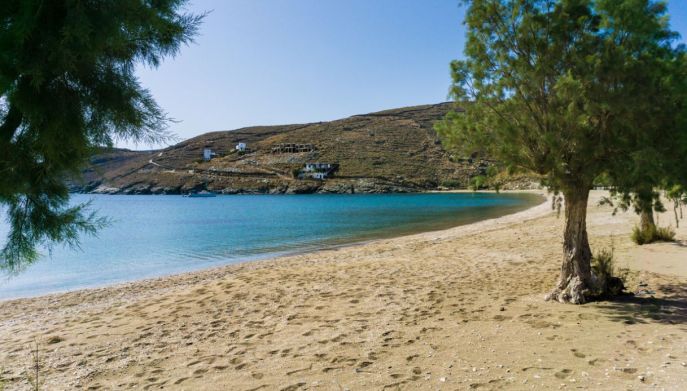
(388, 151)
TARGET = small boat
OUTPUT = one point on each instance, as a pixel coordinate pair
(201, 194)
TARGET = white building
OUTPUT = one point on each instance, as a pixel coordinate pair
(309, 167)
(207, 154)
(241, 147)
(318, 171)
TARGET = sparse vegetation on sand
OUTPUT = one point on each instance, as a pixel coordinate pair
(652, 234)
(34, 372)
(610, 280)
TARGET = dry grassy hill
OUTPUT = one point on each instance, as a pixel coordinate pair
(389, 151)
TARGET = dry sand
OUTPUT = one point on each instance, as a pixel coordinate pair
(451, 310)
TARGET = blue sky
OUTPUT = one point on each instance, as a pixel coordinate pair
(265, 62)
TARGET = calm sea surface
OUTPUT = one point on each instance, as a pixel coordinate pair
(159, 235)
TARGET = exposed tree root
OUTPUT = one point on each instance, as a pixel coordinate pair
(572, 291)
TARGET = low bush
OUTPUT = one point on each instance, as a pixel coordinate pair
(665, 234)
(602, 263)
(610, 281)
(653, 234)
(477, 182)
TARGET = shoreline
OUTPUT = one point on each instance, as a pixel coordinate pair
(460, 308)
(286, 254)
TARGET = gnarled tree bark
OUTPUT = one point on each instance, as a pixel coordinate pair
(646, 220)
(575, 284)
(645, 204)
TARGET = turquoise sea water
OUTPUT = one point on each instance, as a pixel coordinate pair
(160, 235)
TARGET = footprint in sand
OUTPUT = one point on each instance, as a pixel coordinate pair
(293, 387)
(563, 373)
(180, 380)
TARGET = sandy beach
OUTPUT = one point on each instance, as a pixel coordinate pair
(450, 310)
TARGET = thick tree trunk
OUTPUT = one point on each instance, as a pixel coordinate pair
(575, 284)
(645, 202)
(646, 219)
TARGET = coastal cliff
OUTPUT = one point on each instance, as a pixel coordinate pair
(388, 151)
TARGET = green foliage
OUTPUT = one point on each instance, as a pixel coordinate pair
(657, 147)
(678, 195)
(477, 182)
(67, 87)
(451, 183)
(558, 87)
(490, 180)
(665, 234)
(652, 234)
(603, 264)
(602, 180)
(642, 200)
(47, 220)
(639, 237)
(610, 279)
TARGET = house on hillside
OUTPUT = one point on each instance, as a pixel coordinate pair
(241, 147)
(319, 167)
(319, 171)
(208, 154)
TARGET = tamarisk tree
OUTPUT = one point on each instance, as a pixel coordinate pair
(658, 152)
(555, 87)
(67, 86)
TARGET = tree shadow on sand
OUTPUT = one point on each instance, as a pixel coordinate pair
(680, 243)
(669, 308)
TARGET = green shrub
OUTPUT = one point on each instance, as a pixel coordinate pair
(602, 263)
(451, 183)
(653, 234)
(665, 234)
(611, 281)
(477, 182)
(638, 236)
